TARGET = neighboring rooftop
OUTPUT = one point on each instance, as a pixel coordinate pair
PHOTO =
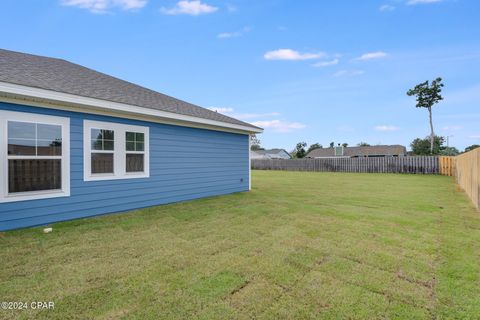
(366, 151)
(271, 154)
(275, 151)
(66, 77)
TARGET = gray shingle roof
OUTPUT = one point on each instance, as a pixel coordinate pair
(66, 77)
(381, 150)
(271, 153)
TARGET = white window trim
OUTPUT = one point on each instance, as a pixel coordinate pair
(119, 152)
(6, 116)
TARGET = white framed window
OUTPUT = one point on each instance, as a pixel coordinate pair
(34, 157)
(115, 151)
(135, 152)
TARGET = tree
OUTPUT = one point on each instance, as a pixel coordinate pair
(421, 147)
(255, 143)
(332, 144)
(314, 146)
(427, 96)
(363, 144)
(344, 144)
(450, 151)
(299, 151)
(472, 147)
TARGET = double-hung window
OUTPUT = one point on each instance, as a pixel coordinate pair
(115, 151)
(135, 151)
(102, 151)
(35, 156)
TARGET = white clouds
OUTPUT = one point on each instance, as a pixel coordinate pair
(475, 136)
(222, 110)
(386, 128)
(452, 128)
(326, 63)
(415, 2)
(236, 34)
(231, 8)
(348, 73)
(227, 35)
(292, 55)
(276, 125)
(372, 56)
(132, 4)
(390, 8)
(193, 8)
(243, 116)
(386, 8)
(279, 125)
(102, 6)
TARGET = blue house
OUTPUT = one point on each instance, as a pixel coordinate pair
(77, 143)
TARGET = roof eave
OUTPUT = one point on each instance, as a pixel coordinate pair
(68, 101)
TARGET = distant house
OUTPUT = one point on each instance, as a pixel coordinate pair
(358, 152)
(270, 154)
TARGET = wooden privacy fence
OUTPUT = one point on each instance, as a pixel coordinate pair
(467, 174)
(447, 166)
(417, 165)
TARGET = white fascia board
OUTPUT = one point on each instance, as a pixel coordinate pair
(49, 96)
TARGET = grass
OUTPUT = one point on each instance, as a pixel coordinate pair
(300, 245)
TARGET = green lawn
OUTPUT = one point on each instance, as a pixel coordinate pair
(300, 245)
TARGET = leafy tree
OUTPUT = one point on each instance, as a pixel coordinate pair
(427, 96)
(299, 151)
(363, 144)
(450, 151)
(314, 146)
(421, 147)
(332, 144)
(472, 147)
(344, 144)
(255, 143)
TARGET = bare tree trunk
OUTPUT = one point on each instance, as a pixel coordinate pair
(432, 134)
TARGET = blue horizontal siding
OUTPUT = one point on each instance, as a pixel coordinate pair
(185, 164)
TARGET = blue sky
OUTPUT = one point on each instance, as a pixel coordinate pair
(314, 71)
